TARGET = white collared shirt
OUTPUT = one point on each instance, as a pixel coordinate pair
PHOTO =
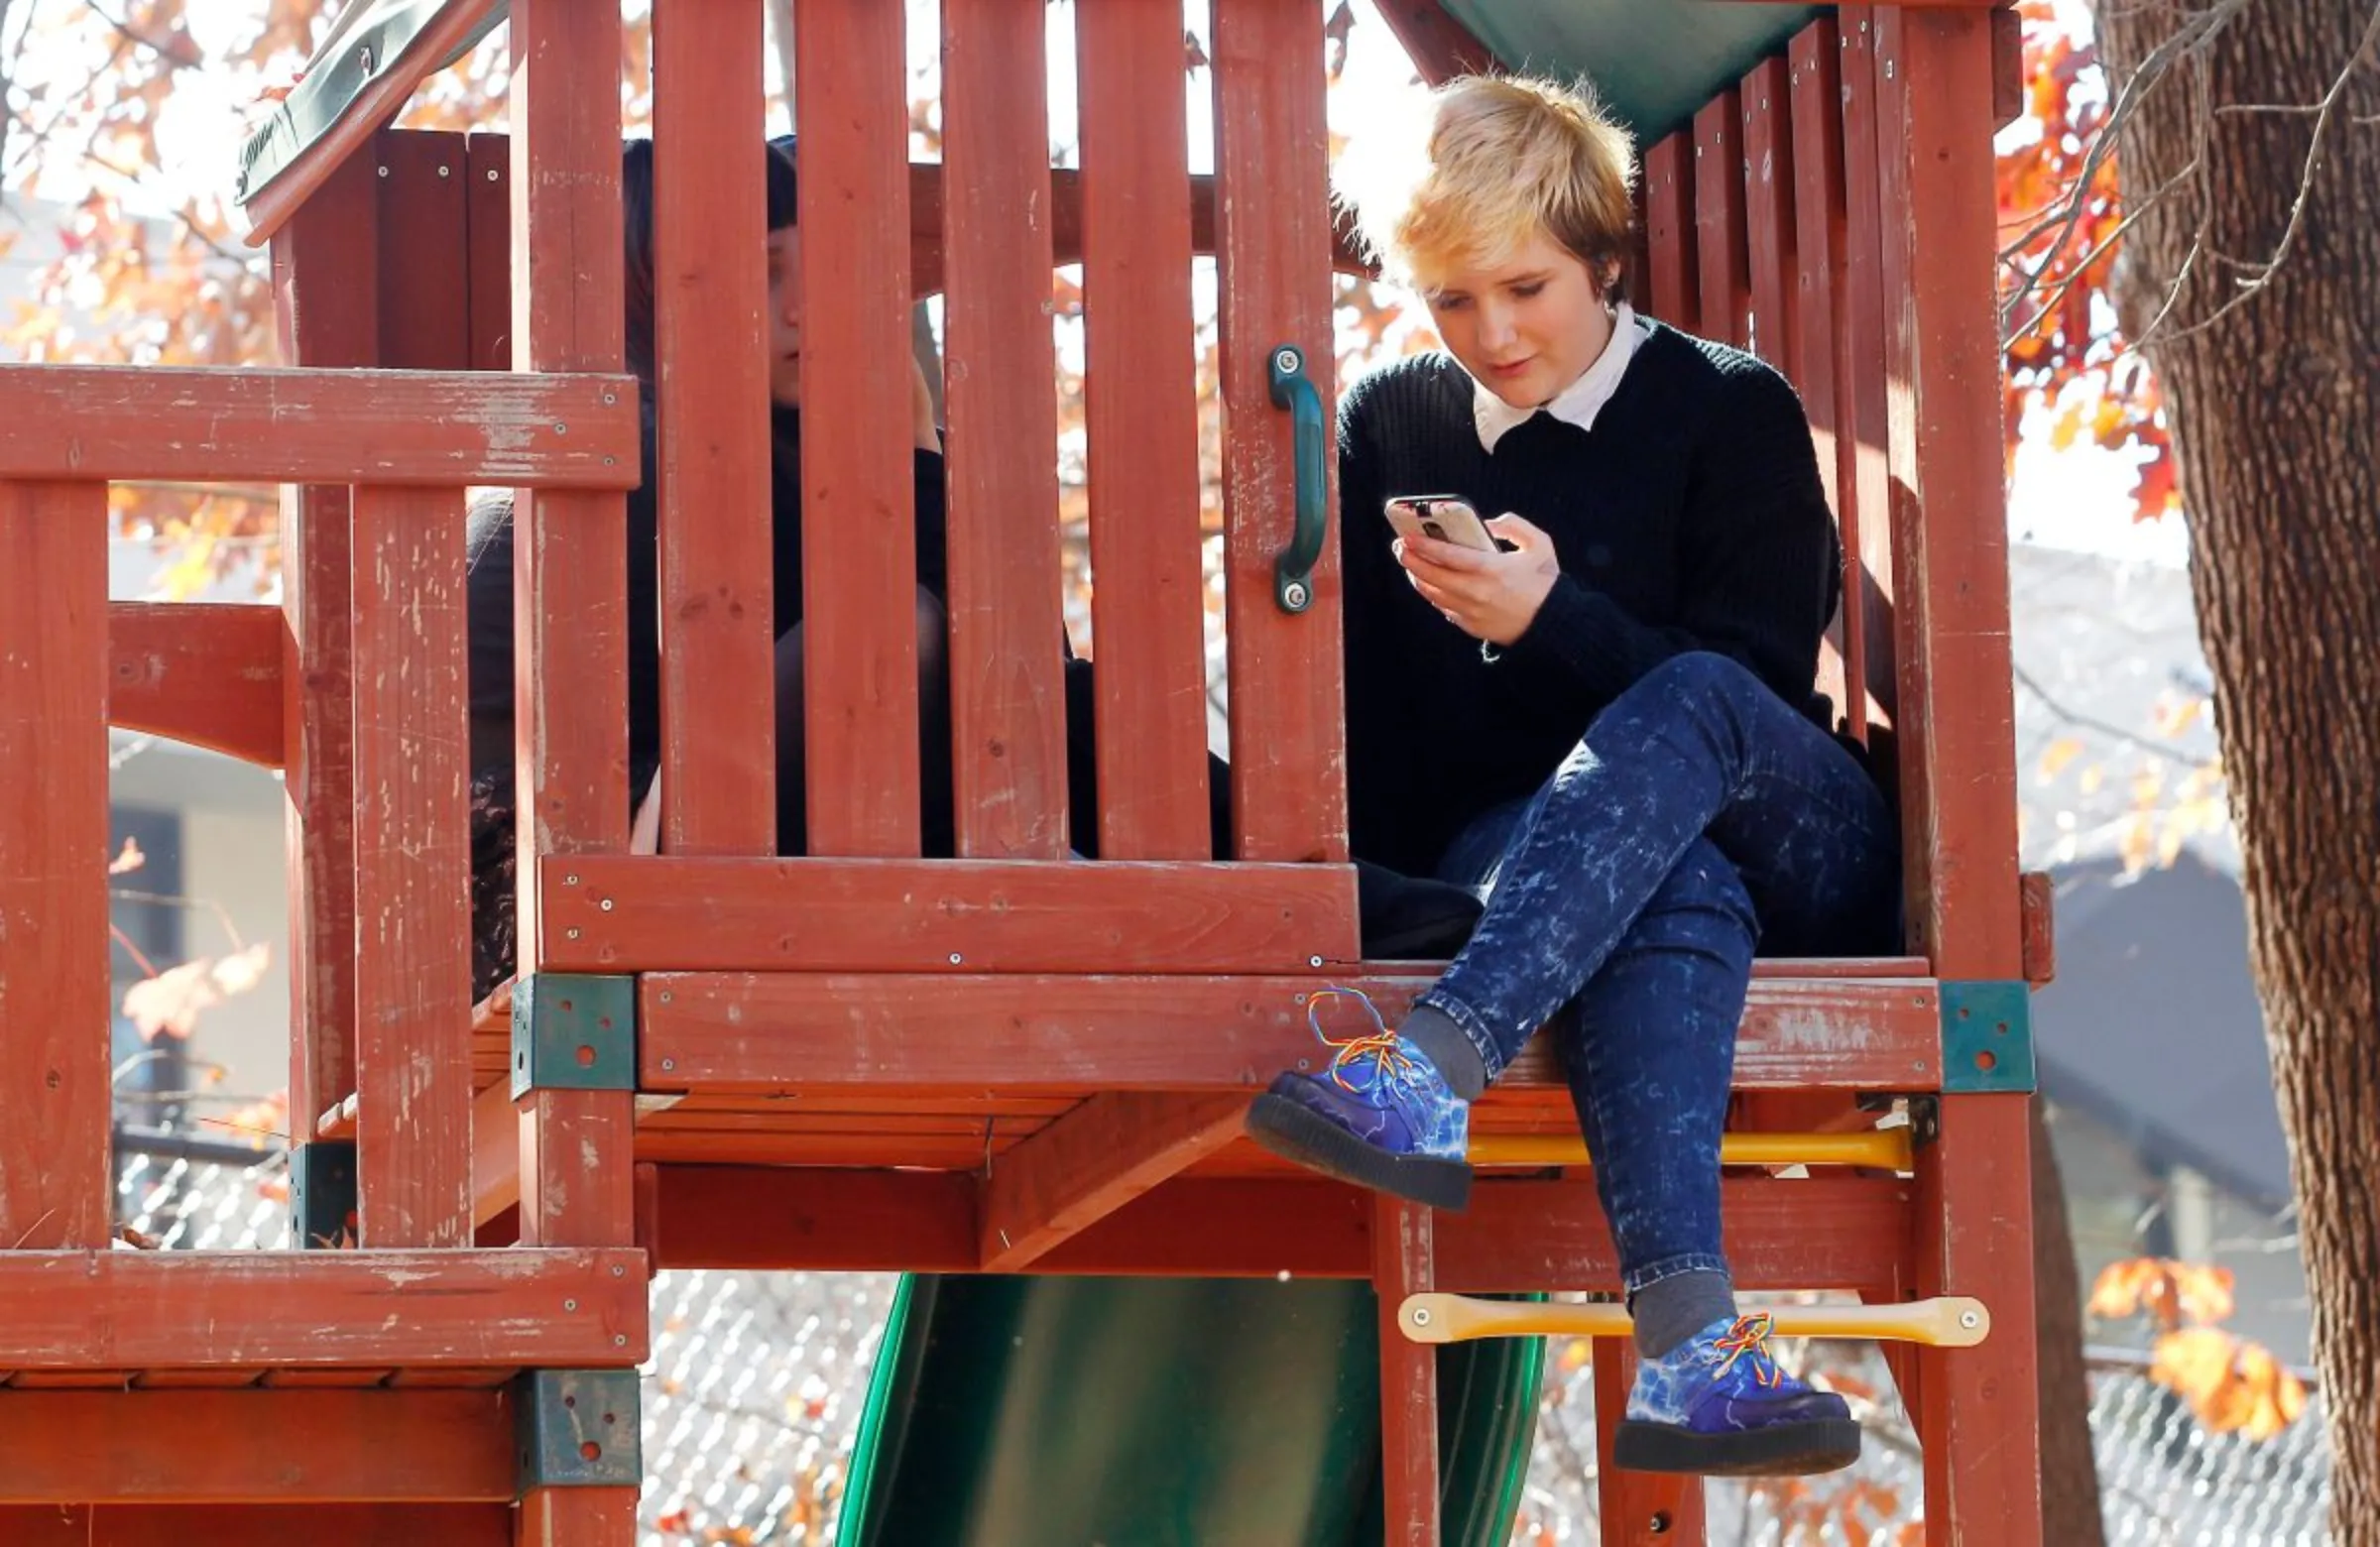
(1579, 403)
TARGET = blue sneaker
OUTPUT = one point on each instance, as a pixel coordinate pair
(1381, 1116)
(1717, 1404)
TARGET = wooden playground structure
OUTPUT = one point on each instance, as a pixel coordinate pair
(1013, 1062)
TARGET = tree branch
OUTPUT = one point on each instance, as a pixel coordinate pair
(2074, 717)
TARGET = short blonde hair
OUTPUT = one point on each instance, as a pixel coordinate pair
(1506, 158)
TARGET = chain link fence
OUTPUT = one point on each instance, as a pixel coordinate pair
(753, 1396)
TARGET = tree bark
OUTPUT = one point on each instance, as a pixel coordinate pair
(2274, 407)
(2070, 1472)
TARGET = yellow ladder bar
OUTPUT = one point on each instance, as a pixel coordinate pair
(1881, 1150)
(1950, 1322)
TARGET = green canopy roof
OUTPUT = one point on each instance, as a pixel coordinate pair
(1653, 61)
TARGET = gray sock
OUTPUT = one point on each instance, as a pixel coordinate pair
(1435, 1032)
(1673, 1309)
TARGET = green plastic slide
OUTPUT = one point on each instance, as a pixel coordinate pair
(1145, 1412)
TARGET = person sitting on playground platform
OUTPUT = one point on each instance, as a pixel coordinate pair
(1609, 726)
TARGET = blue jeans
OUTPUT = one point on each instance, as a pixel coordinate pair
(1700, 818)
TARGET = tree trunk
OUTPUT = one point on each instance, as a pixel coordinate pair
(2070, 1473)
(2274, 407)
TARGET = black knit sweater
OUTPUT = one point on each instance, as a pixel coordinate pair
(1689, 517)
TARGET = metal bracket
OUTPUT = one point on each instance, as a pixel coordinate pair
(322, 1195)
(574, 1031)
(1986, 1037)
(577, 1428)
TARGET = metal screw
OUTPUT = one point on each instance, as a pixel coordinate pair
(569, 880)
(619, 1340)
(1421, 1316)
(955, 959)
(569, 1305)
(1288, 361)
(605, 904)
(609, 398)
(445, 172)
(493, 175)
(619, 1272)
(573, 933)
(561, 429)
(1969, 1320)
(384, 172)
(1659, 1524)
(1295, 594)
(668, 1063)
(667, 996)
(363, 57)
(1888, 70)
(1302, 1066)
(1312, 961)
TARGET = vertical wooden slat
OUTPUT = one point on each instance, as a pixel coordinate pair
(488, 228)
(1635, 1508)
(1288, 776)
(1403, 1254)
(1933, 80)
(1819, 281)
(55, 1013)
(424, 250)
(1768, 207)
(325, 266)
(576, 1516)
(1147, 614)
(569, 583)
(412, 852)
(1008, 699)
(1669, 231)
(858, 536)
(711, 285)
(1949, 524)
(1863, 388)
(1724, 278)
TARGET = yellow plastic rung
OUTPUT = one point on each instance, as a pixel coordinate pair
(1949, 1322)
(1881, 1150)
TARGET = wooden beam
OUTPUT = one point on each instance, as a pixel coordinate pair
(269, 205)
(153, 1310)
(1404, 1263)
(648, 914)
(53, 834)
(439, 428)
(205, 675)
(823, 1031)
(1091, 1162)
(246, 1525)
(215, 1447)
(1439, 46)
(1822, 1231)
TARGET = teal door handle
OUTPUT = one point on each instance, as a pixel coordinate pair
(1293, 566)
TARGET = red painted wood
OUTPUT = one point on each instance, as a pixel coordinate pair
(424, 250)
(975, 915)
(1439, 46)
(1007, 698)
(576, 1517)
(1723, 276)
(1090, 1163)
(1974, 1237)
(569, 550)
(710, 283)
(859, 542)
(207, 676)
(434, 430)
(1950, 517)
(1288, 776)
(53, 849)
(325, 264)
(214, 1447)
(245, 1525)
(140, 1310)
(1863, 391)
(1770, 213)
(1669, 231)
(1637, 1509)
(1821, 282)
(575, 1150)
(1147, 611)
(488, 233)
(412, 964)
(1051, 1034)
(1403, 1263)
(1517, 1235)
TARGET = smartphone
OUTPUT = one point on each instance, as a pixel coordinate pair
(1445, 517)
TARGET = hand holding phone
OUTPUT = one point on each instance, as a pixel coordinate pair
(1445, 518)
